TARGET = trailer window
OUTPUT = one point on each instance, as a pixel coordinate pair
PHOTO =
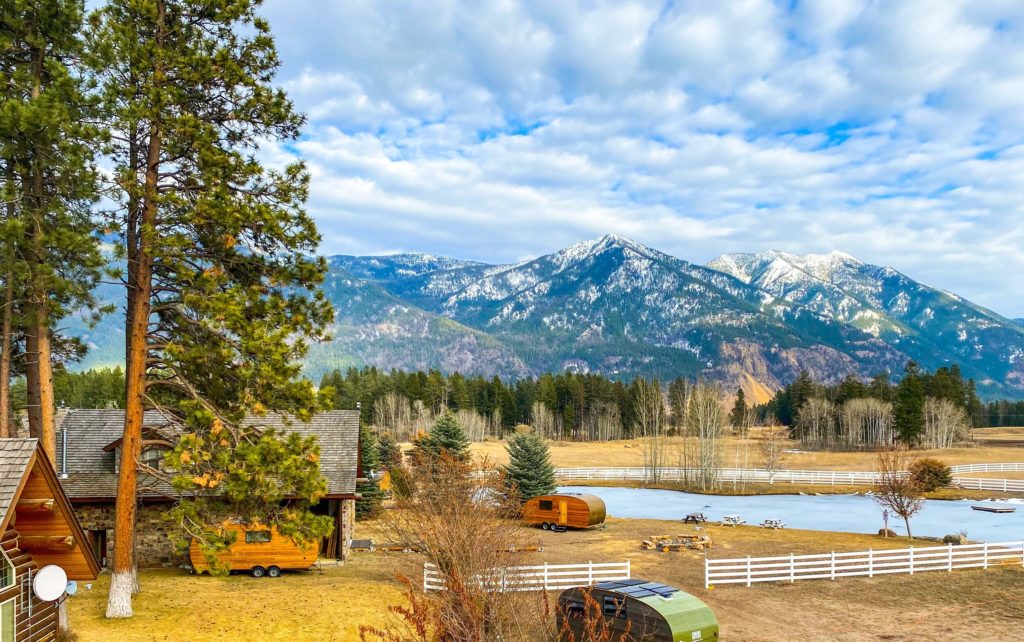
(615, 606)
(545, 504)
(257, 537)
(575, 608)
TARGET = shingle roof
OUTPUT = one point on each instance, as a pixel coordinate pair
(15, 454)
(90, 470)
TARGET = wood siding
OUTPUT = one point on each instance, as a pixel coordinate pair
(280, 551)
(42, 626)
(580, 511)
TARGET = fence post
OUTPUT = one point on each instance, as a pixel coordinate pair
(590, 573)
(629, 570)
(749, 580)
(792, 568)
(546, 576)
(871, 562)
(950, 567)
(832, 569)
(833, 478)
(985, 557)
(424, 577)
(707, 569)
(911, 560)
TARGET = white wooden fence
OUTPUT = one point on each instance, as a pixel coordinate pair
(542, 577)
(829, 566)
(811, 477)
(1004, 467)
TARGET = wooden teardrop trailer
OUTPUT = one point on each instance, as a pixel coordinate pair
(258, 551)
(569, 510)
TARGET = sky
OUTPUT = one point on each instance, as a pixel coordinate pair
(499, 130)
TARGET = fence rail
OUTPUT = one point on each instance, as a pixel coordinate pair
(811, 477)
(830, 566)
(1004, 467)
(542, 577)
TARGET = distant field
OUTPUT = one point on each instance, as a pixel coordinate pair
(744, 453)
(312, 607)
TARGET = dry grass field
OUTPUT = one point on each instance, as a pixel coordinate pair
(330, 606)
(744, 453)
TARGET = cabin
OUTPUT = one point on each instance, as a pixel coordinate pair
(88, 456)
(258, 551)
(38, 528)
(638, 610)
(568, 510)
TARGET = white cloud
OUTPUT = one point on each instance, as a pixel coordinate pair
(498, 129)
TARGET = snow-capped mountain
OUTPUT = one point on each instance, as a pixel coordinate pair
(932, 326)
(614, 306)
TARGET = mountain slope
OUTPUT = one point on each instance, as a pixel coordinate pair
(932, 326)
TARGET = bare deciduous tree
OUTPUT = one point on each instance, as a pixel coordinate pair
(649, 417)
(865, 423)
(393, 413)
(945, 423)
(815, 423)
(706, 423)
(895, 489)
(545, 423)
(773, 444)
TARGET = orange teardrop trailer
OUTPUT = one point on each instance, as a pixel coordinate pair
(568, 510)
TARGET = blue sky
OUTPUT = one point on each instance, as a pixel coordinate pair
(893, 131)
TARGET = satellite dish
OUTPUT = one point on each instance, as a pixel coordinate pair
(72, 587)
(49, 583)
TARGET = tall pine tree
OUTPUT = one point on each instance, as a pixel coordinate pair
(529, 472)
(446, 438)
(908, 406)
(222, 297)
(50, 183)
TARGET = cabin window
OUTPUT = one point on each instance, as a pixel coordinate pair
(546, 504)
(7, 577)
(154, 458)
(7, 621)
(614, 606)
(257, 537)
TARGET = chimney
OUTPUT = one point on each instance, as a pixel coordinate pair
(63, 453)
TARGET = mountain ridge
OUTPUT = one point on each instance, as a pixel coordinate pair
(618, 307)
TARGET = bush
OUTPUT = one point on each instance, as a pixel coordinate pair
(930, 473)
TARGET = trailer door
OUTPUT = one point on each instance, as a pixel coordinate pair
(563, 517)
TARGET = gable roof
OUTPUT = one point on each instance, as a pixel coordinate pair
(15, 457)
(90, 468)
(26, 473)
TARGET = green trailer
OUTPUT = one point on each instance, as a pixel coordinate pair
(639, 610)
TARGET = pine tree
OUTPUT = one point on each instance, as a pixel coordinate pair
(368, 504)
(738, 416)
(47, 145)
(529, 472)
(222, 295)
(446, 438)
(908, 407)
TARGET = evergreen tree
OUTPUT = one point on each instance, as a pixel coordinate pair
(529, 472)
(47, 143)
(368, 505)
(222, 295)
(738, 416)
(445, 438)
(908, 407)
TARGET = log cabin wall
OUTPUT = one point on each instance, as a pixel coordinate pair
(42, 625)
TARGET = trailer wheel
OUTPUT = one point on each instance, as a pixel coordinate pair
(544, 526)
(273, 571)
(257, 571)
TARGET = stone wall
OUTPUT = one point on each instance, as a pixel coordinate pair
(154, 546)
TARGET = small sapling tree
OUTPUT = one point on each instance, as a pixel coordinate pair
(895, 489)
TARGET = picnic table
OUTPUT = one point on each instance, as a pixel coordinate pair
(733, 520)
(695, 518)
(773, 523)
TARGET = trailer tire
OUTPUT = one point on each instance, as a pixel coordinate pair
(273, 571)
(257, 571)
(544, 526)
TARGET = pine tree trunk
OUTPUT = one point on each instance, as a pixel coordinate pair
(35, 419)
(41, 366)
(5, 358)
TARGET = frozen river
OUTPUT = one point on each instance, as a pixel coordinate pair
(841, 513)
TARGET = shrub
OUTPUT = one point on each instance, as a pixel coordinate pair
(930, 473)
